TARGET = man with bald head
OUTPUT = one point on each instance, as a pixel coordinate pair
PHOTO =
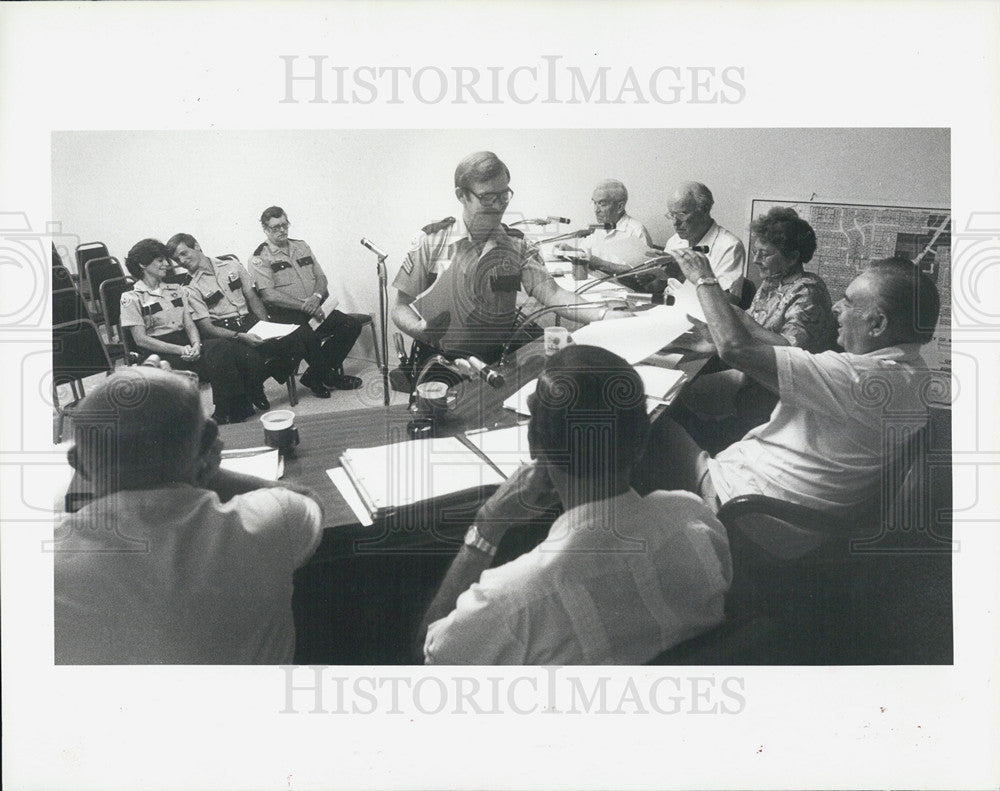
(605, 249)
(175, 561)
(690, 211)
(840, 415)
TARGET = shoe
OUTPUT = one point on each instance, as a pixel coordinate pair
(342, 381)
(259, 400)
(314, 383)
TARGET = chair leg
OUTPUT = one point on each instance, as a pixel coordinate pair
(293, 395)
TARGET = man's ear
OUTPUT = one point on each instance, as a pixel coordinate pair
(879, 324)
(209, 434)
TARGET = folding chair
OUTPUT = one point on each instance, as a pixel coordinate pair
(68, 305)
(84, 253)
(77, 352)
(97, 271)
(111, 306)
(62, 278)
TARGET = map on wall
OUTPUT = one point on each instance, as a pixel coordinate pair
(850, 235)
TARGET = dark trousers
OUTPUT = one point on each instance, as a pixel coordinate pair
(218, 364)
(277, 357)
(327, 345)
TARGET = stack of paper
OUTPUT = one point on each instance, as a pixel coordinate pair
(661, 385)
(265, 330)
(262, 462)
(637, 337)
(506, 448)
(390, 477)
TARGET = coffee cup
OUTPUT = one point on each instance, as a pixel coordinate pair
(555, 339)
(280, 431)
(435, 398)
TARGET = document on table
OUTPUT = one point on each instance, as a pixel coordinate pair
(506, 448)
(636, 337)
(263, 462)
(661, 386)
(388, 477)
(265, 330)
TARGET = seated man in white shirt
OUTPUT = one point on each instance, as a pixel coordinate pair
(690, 210)
(622, 243)
(175, 561)
(840, 415)
(620, 577)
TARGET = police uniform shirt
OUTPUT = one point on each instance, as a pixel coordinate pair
(291, 272)
(481, 293)
(220, 295)
(160, 310)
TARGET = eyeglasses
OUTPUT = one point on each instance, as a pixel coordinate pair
(680, 216)
(281, 226)
(493, 198)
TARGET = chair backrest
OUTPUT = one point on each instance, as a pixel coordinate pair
(87, 251)
(68, 305)
(100, 269)
(111, 301)
(62, 278)
(77, 352)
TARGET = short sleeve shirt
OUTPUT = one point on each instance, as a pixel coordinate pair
(174, 576)
(797, 307)
(726, 254)
(160, 310)
(219, 295)
(445, 271)
(838, 416)
(626, 227)
(291, 272)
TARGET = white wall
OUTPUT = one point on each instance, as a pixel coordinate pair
(338, 186)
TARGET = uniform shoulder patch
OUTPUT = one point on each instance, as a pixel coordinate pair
(514, 232)
(260, 247)
(434, 227)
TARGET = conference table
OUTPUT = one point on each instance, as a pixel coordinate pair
(360, 598)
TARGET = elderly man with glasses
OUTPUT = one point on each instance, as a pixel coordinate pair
(457, 287)
(690, 211)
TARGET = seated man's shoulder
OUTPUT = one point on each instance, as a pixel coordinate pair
(438, 227)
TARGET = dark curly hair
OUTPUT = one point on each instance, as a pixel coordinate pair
(783, 228)
(142, 254)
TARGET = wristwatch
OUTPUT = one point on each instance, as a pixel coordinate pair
(473, 538)
(708, 280)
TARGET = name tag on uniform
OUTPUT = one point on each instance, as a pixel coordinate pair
(213, 299)
(277, 266)
(177, 302)
(306, 260)
(149, 310)
(235, 285)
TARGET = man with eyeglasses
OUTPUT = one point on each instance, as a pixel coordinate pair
(457, 286)
(293, 286)
(607, 249)
(690, 210)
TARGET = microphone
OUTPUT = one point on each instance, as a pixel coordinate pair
(560, 220)
(584, 232)
(542, 221)
(373, 247)
(487, 374)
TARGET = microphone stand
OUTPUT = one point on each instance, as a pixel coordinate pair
(383, 318)
(531, 317)
(642, 269)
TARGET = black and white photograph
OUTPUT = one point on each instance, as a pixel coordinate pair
(603, 392)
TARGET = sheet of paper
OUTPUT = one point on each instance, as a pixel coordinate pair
(350, 495)
(686, 298)
(263, 463)
(270, 329)
(636, 337)
(416, 470)
(507, 448)
(659, 382)
(518, 402)
(328, 306)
